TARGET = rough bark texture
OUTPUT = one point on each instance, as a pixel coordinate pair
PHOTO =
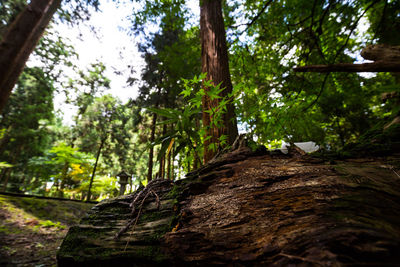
(387, 59)
(214, 62)
(250, 208)
(94, 242)
(19, 41)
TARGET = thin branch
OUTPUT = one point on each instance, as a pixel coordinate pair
(157, 198)
(319, 94)
(299, 22)
(257, 16)
(130, 223)
(352, 30)
(379, 66)
(313, 35)
(381, 20)
(326, 11)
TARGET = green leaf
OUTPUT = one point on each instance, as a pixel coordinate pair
(4, 164)
(168, 113)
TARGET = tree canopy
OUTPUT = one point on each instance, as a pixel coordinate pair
(232, 67)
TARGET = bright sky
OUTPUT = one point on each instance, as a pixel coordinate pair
(109, 44)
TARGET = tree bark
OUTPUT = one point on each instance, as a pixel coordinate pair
(169, 165)
(94, 168)
(161, 169)
(214, 61)
(20, 40)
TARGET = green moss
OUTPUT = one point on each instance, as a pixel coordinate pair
(47, 209)
(76, 242)
(49, 224)
(78, 245)
(10, 230)
(174, 192)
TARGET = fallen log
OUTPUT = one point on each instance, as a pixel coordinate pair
(252, 209)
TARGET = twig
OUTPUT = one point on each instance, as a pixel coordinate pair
(352, 30)
(133, 221)
(396, 173)
(146, 192)
(136, 220)
(157, 199)
(319, 94)
(257, 16)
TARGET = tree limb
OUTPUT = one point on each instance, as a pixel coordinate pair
(387, 59)
(257, 16)
(349, 67)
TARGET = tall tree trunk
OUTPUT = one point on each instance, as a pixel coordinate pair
(95, 166)
(172, 178)
(20, 40)
(169, 166)
(214, 61)
(161, 170)
(151, 151)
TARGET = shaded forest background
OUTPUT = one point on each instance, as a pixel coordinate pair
(160, 133)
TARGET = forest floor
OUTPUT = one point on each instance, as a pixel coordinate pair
(31, 229)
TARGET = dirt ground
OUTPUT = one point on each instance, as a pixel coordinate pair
(31, 230)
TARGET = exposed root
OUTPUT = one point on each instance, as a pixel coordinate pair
(146, 192)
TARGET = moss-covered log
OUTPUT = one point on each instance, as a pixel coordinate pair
(253, 209)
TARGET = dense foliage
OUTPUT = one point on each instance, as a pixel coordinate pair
(161, 130)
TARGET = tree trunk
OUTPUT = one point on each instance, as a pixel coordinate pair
(161, 169)
(386, 57)
(94, 168)
(214, 61)
(151, 151)
(20, 40)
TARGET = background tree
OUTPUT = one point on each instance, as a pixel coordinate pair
(21, 35)
(170, 54)
(26, 119)
(214, 61)
(20, 39)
